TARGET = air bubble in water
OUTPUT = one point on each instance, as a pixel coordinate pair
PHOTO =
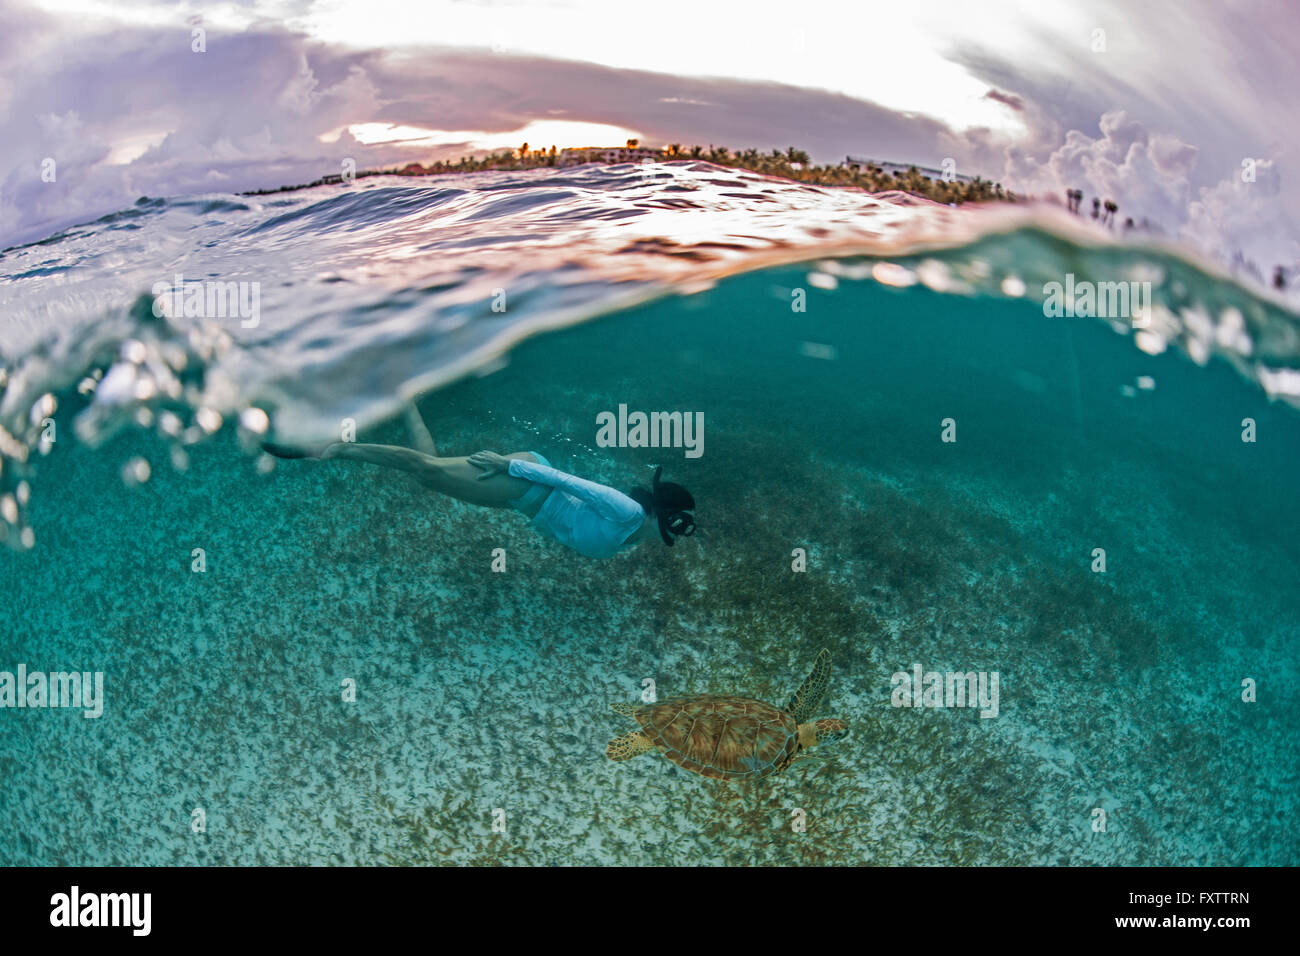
(255, 420)
(169, 423)
(209, 419)
(136, 471)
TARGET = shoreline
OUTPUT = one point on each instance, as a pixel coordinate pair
(791, 166)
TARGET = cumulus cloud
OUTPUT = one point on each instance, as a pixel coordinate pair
(1153, 178)
(1160, 122)
(114, 116)
(1242, 217)
(1149, 173)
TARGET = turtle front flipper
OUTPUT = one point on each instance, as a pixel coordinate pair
(805, 700)
(629, 745)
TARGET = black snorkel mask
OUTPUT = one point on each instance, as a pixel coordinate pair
(673, 505)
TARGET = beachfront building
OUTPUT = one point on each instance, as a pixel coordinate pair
(608, 154)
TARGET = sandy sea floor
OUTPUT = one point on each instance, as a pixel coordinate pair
(480, 691)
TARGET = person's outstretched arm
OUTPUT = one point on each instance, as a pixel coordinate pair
(608, 502)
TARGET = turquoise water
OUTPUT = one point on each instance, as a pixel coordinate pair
(480, 691)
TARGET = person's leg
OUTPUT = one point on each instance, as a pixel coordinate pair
(421, 437)
(449, 476)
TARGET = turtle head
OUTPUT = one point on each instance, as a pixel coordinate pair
(820, 731)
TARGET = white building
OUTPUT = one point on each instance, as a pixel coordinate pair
(608, 154)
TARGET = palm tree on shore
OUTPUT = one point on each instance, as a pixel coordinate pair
(790, 163)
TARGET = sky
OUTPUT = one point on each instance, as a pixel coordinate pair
(1182, 112)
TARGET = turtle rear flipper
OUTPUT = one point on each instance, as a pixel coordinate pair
(629, 745)
(805, 700)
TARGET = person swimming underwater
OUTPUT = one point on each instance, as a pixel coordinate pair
(593, 519)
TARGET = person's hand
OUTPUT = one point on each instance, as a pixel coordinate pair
(490, 462)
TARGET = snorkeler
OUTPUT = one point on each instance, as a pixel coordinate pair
(593, 519)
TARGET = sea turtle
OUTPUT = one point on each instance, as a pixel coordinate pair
(731, 738)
